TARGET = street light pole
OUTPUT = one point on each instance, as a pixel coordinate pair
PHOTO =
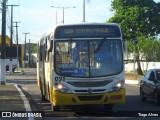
(83, 10)
(56, 13)
(63, 11)
(63, 16)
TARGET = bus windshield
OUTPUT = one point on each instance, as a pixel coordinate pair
(88, 58)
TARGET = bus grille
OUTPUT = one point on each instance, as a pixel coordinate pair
(90, 84)
(90, 98)
(86, 91)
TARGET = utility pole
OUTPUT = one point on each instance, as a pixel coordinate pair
(25, 49)
(3, 48)
(29, 52)
(17, 44)
(11, 39)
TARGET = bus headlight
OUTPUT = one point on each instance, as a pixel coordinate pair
(63, 89)
(59, 86)
(118, 86)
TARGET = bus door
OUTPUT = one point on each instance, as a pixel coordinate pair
(42, 70)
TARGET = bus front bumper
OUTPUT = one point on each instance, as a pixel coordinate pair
(87, 99)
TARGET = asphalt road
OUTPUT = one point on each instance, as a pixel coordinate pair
(132, 107)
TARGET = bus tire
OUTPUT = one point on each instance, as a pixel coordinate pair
(108, 107)
(55, 108)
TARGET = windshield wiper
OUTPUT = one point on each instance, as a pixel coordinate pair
(100, 45)
(69, 47)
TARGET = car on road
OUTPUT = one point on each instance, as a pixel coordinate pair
(150, 86)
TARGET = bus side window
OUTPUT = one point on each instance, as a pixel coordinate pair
(46, 49)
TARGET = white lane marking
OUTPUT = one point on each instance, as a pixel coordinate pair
(26, 102)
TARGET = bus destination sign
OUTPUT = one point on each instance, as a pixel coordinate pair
(89, 31)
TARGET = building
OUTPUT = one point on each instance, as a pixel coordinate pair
(14, 51)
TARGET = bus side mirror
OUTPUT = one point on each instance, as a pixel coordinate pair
(50, 45)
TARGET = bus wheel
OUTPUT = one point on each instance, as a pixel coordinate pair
(108, 107)
(55, 108)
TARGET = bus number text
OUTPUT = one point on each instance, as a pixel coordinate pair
(60, 79)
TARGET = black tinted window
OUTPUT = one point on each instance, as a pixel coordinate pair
(158, 75)
(152, 76)
(147, 74)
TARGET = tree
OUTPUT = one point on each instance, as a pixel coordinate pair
(33, 47)
(149, 49)
(137, 18)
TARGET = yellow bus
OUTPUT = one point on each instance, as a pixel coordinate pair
(81, 64)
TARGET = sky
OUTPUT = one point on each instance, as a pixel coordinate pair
(37, 16)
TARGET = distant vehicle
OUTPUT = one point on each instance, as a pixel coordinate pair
(82, 64)
(150, 86)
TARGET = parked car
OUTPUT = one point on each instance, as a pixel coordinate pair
(150, 86)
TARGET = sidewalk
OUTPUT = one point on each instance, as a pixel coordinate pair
(10, 98)
(13, 102)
